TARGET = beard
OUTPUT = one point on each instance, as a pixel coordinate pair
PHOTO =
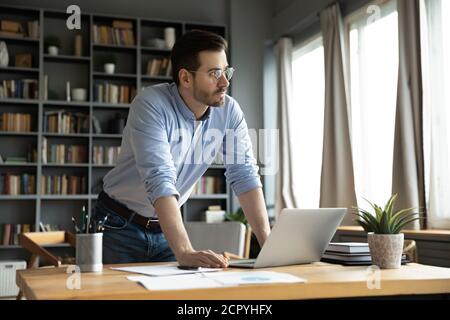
(213, 99)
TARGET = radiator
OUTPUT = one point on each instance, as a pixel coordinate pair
(8, 287)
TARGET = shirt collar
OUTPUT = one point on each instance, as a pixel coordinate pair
(184, 109)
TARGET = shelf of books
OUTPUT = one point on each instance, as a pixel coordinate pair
(64, 100)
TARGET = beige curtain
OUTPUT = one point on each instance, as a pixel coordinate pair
(408, 167)
(285, 193)
(337, 181)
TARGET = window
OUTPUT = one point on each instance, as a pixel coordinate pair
(373, 62)
(308, 77)
(435, 37)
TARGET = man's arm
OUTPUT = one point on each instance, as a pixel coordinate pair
(169, 216)
(252, 202)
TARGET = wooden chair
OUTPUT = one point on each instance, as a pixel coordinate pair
(34, 242)
(247, 245)
(230, 237)
(410, 249)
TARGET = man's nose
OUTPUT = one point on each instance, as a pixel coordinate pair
(223, 81)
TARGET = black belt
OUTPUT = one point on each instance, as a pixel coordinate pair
(120, 209)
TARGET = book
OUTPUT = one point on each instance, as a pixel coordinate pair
(349, 247)
(10, 26)
(353, 261)
(347, 257)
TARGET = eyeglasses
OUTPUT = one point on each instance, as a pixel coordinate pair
(217, 74)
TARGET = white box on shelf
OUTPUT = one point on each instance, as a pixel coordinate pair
(8, 268)
(214, 216)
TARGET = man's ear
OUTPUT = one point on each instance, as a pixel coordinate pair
(185, 78)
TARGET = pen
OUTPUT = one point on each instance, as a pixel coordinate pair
(77, 230)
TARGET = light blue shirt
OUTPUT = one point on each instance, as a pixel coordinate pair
(165, 150)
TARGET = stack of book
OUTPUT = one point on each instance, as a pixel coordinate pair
(19, 89)
(121, 33)
(15, 29)
(9, 233)
(349, 253)
(112, 93)
(105, 155)
(159, 67)
(63, 185)
(61, 153)
(15, 122)
(208, 185)
(61, 121)
(14, 185)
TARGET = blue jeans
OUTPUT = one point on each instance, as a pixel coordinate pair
(127, 242)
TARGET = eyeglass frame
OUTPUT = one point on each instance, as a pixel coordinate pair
(222, 72)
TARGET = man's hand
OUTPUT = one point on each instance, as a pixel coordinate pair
(207, 259)
(172, 225)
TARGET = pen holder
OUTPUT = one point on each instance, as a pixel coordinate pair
(89, 252)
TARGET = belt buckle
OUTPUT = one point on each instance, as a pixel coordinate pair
(147, 225)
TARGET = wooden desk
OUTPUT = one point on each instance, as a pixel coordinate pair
(323, 281)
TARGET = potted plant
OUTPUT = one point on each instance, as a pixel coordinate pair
(109, 63)
(384, 228)
(52, 44)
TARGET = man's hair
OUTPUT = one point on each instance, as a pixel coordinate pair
(186, 49)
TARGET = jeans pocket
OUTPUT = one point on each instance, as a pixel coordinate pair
(111, 220)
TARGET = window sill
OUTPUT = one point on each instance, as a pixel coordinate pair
(427, 234)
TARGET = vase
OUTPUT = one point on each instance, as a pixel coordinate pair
(386, 249)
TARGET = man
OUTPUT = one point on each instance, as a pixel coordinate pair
(160, 162)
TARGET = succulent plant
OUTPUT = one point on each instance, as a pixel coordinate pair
(385, 221)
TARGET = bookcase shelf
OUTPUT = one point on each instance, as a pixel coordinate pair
(114, 47)
(18, 101)
(24, 41)
(13, 133)
(84, 70)
(18, 70)
(114, 75)
(65, 57)
(66, 135)
(111, 105)
(107, 136)
(27, 164)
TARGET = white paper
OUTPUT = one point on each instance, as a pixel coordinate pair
(183, 282)
(253, 277)
(163, 270)
(214, 280)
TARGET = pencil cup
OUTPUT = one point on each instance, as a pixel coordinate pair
(89, 252)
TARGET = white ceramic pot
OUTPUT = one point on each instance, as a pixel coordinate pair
(53, 50)
(109, 68)
(169, 37)
(386, 249)
(79, 94)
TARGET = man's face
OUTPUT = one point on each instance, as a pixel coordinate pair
(207, 89)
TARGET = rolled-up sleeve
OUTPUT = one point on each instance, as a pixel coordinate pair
(241, 168)
(151, 149)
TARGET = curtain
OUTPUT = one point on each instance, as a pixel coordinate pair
(408, 168)
(435, 34)
(337, 180)
(285, 191)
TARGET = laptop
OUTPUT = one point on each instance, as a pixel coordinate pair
(299, 236)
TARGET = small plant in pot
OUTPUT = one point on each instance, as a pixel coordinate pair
(53, 44)
(384, 232)
(109, 63)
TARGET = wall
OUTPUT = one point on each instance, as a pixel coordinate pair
(249, 25)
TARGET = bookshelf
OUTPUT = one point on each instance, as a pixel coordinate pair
(106, 117)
